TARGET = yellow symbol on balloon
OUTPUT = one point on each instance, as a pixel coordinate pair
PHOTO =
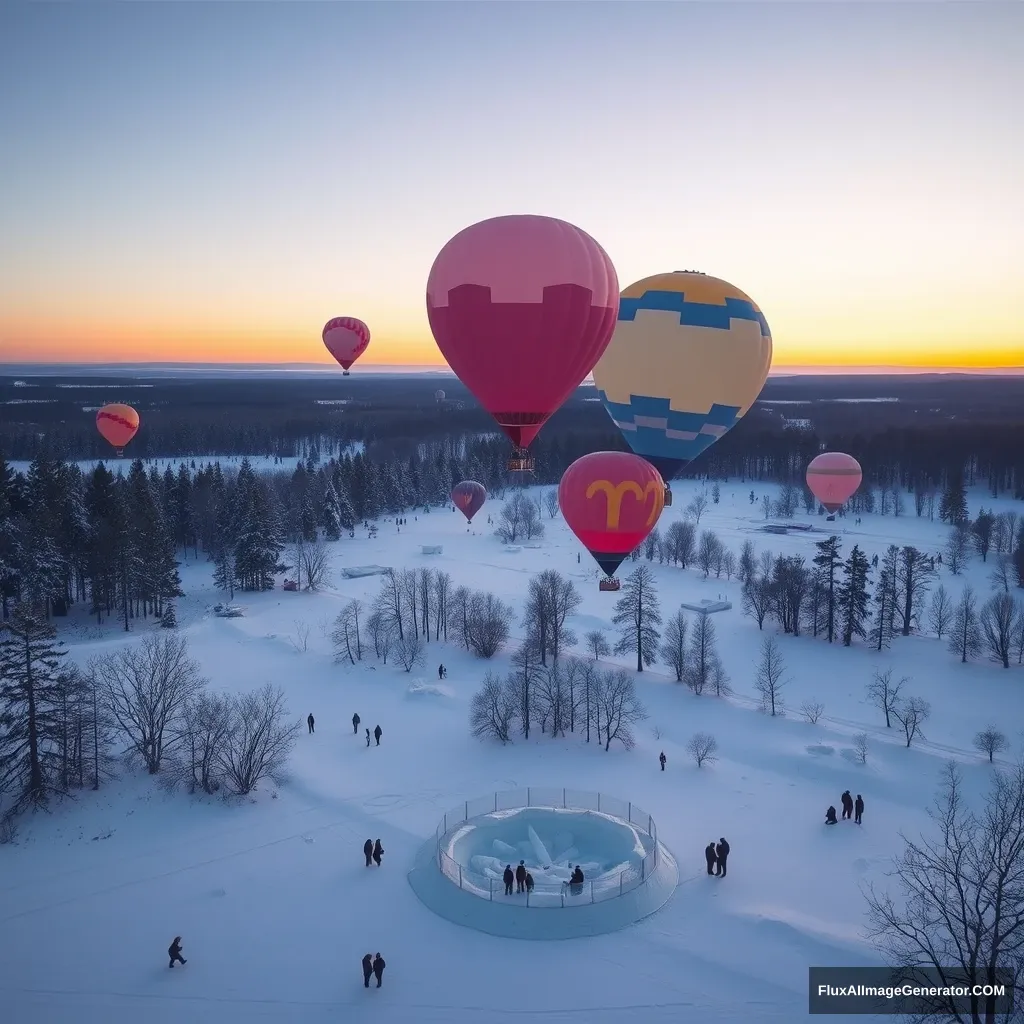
(616, 492)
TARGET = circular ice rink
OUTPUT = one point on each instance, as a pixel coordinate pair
(626, 873)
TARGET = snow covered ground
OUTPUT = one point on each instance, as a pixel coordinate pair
(271, 895)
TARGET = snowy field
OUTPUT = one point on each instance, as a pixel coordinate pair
(276, 907)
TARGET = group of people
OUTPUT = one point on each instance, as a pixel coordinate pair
(851, 809)
(442, 672)
(373, 964)
(717, 857)
(377, 732)
(373, 851)
(521, 877)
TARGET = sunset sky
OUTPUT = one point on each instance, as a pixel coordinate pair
(194, 181)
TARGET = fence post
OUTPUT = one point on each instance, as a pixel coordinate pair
(629, 812)
(621, 873)
(460, 876)
(446, 821)
(465, 817)
(599, 801)
(528, 803)
(563, 799)
(591, 890)
(495, 801)
(650, 824)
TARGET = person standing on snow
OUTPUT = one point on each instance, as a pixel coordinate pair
(174, 952)
(377, 733)
(367, 737)
(309, 721)
(367, 969)
(440, 671)
(711, 857)
(508, 878)
(529, 883)
(662, 759)
(722, 853)
(355, 724)
(847, 802)
(830, 816)
(378, 968)
(368, 851)
(858, 809)
(521, 877)
(378, 852)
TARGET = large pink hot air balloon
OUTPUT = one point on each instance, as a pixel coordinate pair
(346, 339)
(833, 477)
(522, 307)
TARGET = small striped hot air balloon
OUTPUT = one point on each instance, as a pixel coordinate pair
(346, 339)
(833, 478)
(469, 497)
(117, 424)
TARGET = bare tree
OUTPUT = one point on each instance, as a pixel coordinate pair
(770, 678)
(493, 708)
(758, 597)
(884, 694)
(680, 543)
(300, 639)
(959, 902)
(958, 548)
(637, 614)
(766, 505)
(708, 551)
(702, 747)
(442, 602)
(145, 688)
(202, 730)
(525, 678)
(1001, 576)
(597, 644)
(940, 612)
(620, 708)
(965, 634)
(382, 633)
(673, 648)
(697, 507)
(390, 603)
(911, 714)
(551, 502)
(314, 561)
(410, 650)
(728, 563)
(425, 585)
(551, 599)
(703, 664)
(519, 519)
(747, 568)
(998, 622)
(913, 575)
(487, 624)
(553, 699)
(812, 710)
(346, 635)
(860, 747)
(990, 741)
(260, 740)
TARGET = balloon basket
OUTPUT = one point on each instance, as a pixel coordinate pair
(520, 461)
(831, 518)
(119, 452)
(344, 373)
(609, 583)
(668, 497)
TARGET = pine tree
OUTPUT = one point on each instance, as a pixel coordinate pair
(10, 540)
(105, 536)
(30, 696)
(1018, 557)
(953, 503)
(828, 562)
(185, 534)
(884, 625)
(257, 544)
(852, 598)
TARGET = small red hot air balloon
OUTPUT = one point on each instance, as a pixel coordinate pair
(469, 498)
(522, 307)
(833, 477)
(611, 501)
(118, 424)
(346, 339)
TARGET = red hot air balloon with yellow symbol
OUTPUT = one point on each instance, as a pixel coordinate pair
(118, 424)
(469, 498)
(611, 501)
(833, 478)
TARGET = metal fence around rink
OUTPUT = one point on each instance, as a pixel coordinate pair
(547, 894)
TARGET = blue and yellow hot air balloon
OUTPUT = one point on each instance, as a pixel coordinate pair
(688, 358)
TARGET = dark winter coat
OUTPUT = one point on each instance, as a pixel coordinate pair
(367, 966)
(722, 851)
(710, 855)
(859, 806)
(378, 851)
(378, 732)
(847, 801)
(508, 878)
(368, 847)
(378, 966)
(310, 719)
(356, 720)
(830, 816)
(174, 950)
(520, 873)
(529, 882)
(577, 876)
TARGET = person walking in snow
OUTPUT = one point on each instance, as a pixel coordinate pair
(377, 733)
(508, 878)
(368, 851)
(174, 952)
(858, 809)
(830, 817)
(355, 724)
(367, 969)
(847, 801)
(440, 671)
(309, 721)
(367, 737)
(378, 968)
(661, 758)
(521, 877)
(722, 853)
(444, 673)
(378, 852)
(711, 857)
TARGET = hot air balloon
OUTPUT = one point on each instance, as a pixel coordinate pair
(469, 498)
(439, 395)
(521, 308)
(611, 501)
(346, 339)
(833, 477)
(118, 424)
(688, 358)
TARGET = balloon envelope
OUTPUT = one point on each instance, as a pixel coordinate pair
(469, 498)
(439, 395)
(688, 358)
(611, 501)
(833, 477)
(346, 339)
(521, 308)
(117, 423)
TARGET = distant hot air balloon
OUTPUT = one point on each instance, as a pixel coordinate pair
(346, 339)
(611, 501)
(688, 358)
(469, 498)
(521, 308)
(833, 477)
(118, 424)
(439, 395)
